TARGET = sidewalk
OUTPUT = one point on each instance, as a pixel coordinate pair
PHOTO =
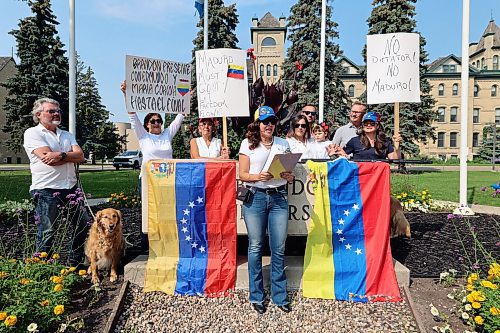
(480, 209)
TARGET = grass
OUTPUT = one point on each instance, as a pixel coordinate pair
(443, 185)
(14, 185)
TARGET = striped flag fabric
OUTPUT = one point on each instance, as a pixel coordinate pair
(235, 71)
(348, 255)
(191, 227)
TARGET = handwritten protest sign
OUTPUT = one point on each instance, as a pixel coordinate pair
(155, 85)
(393, 68)
(222, 85)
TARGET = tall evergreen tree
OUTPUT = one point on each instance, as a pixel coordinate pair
(486, 150)
(95, 133)
(41, 72)
(304, 26)
(222, 21)
(390, 16)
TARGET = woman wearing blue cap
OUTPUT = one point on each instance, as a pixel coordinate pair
(371, 142)
(267, 208)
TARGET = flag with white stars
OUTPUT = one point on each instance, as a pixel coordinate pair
(192, 228)
(348, 254)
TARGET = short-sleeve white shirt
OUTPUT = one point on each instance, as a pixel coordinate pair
(318, 150)
(43, 175)
(261, 158)
(208, 151)
(297, 146)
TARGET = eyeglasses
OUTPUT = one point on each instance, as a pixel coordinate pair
(52, 111)
(369, 123)
(300, 125)
(358, 112)
(272, 121)
(155, 121)
(206, 124)
(307, 113)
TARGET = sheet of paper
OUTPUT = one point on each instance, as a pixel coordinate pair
(282, 163)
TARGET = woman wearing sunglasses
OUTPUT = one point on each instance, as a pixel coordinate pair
(267, 209)
(299, 135)
(206, 146)
(371, 142)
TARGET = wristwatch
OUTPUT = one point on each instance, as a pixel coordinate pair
(63, 156)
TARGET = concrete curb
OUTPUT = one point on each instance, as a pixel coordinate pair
(480, 209)
(414, 310)
(115, 314)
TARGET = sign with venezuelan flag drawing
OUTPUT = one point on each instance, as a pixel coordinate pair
(191, 227)
(348, 254)
(155, 85)
(222, 83)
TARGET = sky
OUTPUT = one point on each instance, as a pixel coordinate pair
(107, 30)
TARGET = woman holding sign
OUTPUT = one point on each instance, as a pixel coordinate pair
(265, 208)
(206, 146)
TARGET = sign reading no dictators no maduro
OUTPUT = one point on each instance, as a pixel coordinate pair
(155, 85)
(393, 68)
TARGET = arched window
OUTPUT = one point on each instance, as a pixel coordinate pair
(275, 70)
(495, 63)
(441, 89)
(351, 90)
(494, 90)
(261, 70)
(482, 63)
(268, 70)
(454, 90)
(476, 90)
(268, 41)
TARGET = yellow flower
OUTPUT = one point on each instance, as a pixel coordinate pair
(13, 260)
(55, 256)
(44, 303)
(474, 276)
(494, 269)
(59, 309)
(10, 320)
(72, 269)
(2, 274)
(479, 320)
(476, 305)
(488, 284)
(424, 192)
(398, 197)
(56, 279)
(24, 281)
(3, 315)
(495, 311)
(423, 196)
(43, 255)
(82, 272)
(469, 287)
(404, 194)
(480, 297)
(58, 287)
(411, 200)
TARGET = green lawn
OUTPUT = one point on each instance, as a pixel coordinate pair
(443, 185)
(14, 185)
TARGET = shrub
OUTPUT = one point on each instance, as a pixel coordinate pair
(15, 209)
(120, 200)
(413, 200)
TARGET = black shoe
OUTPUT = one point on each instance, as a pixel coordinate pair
(259, 307)
(285, 308)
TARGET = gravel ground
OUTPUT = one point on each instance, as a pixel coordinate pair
(157, 312)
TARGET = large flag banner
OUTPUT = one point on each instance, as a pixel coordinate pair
(348, 254)
(191, 227)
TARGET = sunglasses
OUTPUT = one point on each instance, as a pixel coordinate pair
(269, 121)
(206, 124)
(300, 125)
(307, 113)
(369, 123)
(53, 111)
(155, 121)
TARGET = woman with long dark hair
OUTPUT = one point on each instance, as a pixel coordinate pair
(267, 209)
(299, 134)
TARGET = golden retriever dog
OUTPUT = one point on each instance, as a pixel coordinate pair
(105, 244)
(399, 223)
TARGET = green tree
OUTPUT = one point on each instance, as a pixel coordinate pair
(304, 26)
(42, 71)
(222, 23)
(391, 16)
(486, 150)
(95, 132)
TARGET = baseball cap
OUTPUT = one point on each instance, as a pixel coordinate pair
(264, 112)
(373, 116)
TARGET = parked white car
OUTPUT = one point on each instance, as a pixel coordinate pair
(128, 159)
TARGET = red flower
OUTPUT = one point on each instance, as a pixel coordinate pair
(250, 53)
(298, 65)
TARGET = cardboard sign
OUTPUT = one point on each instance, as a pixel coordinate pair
(393, 68)
(222, 85)
(155, 85)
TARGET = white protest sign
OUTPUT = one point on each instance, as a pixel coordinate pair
(221, 83)
(155, 85)
(393, 68)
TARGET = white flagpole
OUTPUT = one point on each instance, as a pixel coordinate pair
(322, 61)
(463, 209)
(72, 70)
(205, 25)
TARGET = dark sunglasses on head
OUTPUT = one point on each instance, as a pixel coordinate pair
(300, 125)
(52, 111)
(307, 113)
(155, 121)
(271, 121)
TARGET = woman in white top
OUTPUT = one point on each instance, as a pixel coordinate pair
(299, 135)
(267, 209)
(206, 146)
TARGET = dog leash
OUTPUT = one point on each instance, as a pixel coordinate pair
(80, 186)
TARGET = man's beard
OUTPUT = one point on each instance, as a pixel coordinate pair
(56, 122)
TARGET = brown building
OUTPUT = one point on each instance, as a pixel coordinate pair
(7, 70)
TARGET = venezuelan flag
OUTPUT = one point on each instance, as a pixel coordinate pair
(183, 87)
(348, 254)
(235, 71)
(191, 227)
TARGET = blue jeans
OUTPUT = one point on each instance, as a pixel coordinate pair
(267, 211)
(60, 210)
